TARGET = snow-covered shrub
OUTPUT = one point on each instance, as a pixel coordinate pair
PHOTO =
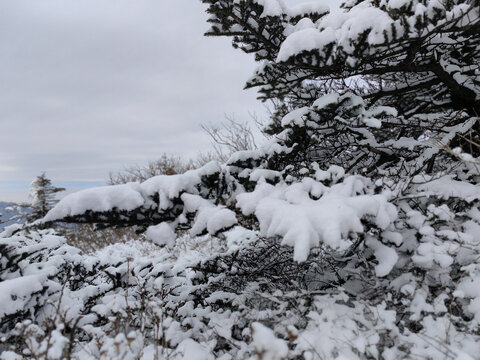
(57, 303)
(132, 301)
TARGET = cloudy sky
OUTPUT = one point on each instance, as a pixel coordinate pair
(88, 87)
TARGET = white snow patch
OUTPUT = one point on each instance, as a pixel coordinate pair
(290, 211)
(100, 199)
(267, 345)
(445, 187)
(161, 234)
(386, 256)
(15, 293)
(189, 349)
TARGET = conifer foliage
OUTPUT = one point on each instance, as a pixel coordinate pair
(393, 73)
(42, 196)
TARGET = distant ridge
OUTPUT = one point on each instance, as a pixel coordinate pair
(8, 210)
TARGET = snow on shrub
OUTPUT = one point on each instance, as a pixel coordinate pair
(307, 213)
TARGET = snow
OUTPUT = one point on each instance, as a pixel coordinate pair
(305, 8)
(305, 40)
(392, 237)
(10, 355)
(161, 234)
(325, 100)
(469, 288)
(372, 122)
(267, 346)
(386, 256)
(265, 174)
(295, 117)
(191, 350)
(213, 219)
(122, 197)
(304, 23)
(208, 216)
(333, 173)
(275, 8)
(132, 195)
(380, 266)
(170, 187)
(268, 149)
(303, 223)
(12, 213)
(9, 230)
(397, 4)
(341, 28)
(271, 7)
(16, 293)
(335, 325)
(446, 187)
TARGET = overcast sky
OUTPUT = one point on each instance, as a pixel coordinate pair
(88, 87)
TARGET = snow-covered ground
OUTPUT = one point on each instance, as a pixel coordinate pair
(304, 280)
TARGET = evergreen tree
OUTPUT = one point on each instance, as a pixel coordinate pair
(42, 196)
(395, 72)
(383, 99)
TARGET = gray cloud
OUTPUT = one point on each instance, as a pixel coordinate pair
(89, 86)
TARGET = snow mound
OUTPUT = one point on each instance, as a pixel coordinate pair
(16, 293)
(133, 195)
(309, 214)
(446, 187)
(100, 199)
(208, 217)
(267, 345)
(161, 234)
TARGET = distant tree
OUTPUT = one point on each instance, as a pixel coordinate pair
(229, 137)
(165, 165)
(42, 196)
